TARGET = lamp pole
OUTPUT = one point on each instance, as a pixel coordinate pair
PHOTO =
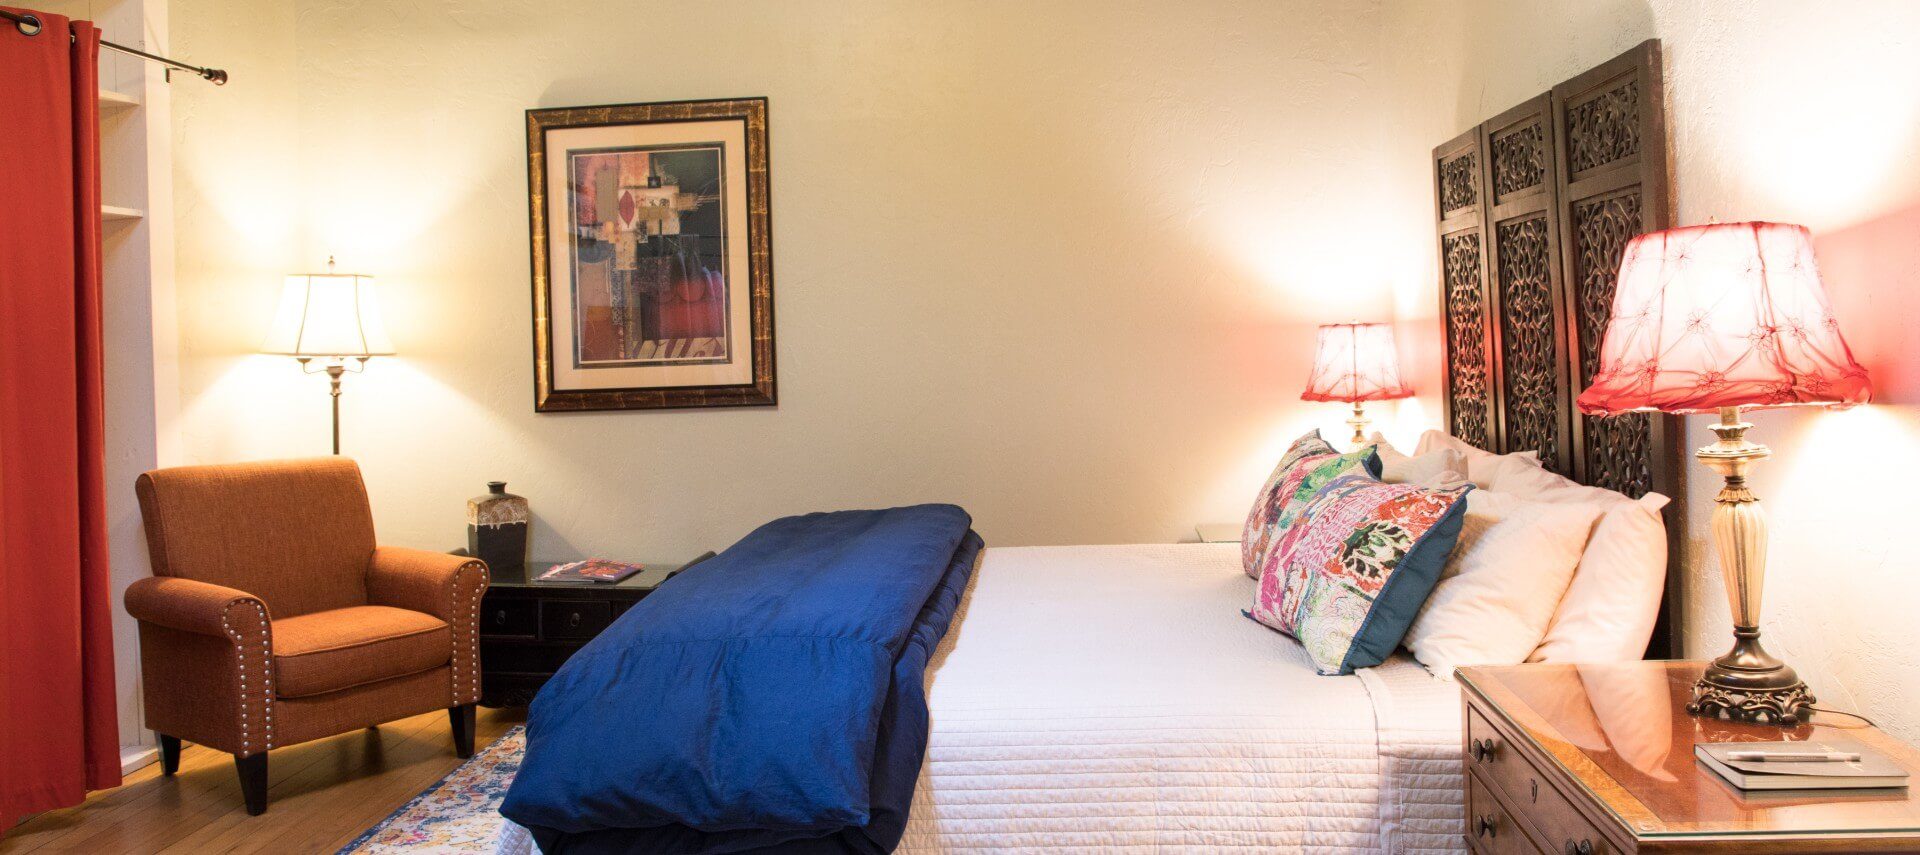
(333, 378)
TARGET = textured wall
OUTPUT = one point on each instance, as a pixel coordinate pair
(1059, 263)
(1805, 113)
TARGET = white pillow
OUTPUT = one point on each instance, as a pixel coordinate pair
(1443, 469)
(1483, 467)
(1500, 587)
(1609, 611)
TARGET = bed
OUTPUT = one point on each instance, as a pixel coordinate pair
(1113, 698)
(1116, 699)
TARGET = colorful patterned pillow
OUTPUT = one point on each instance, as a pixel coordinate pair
(1349, 576)
(1307, 466)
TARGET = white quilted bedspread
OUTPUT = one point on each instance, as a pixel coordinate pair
(1114, 699)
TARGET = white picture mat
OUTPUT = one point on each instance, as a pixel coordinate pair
(731, 134)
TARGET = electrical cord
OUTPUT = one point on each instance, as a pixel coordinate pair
(1849, 715)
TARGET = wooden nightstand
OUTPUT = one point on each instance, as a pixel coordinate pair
(1599, 759)
(529, 629)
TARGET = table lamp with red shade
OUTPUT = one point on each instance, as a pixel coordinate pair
(1713, 319)
(1354, 364)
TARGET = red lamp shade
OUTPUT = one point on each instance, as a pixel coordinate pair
(1356, 362)
(1722, 315)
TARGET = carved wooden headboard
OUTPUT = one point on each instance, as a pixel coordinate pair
(1536, 206)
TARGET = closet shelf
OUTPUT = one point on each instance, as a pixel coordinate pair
(111, 100)
(113, 213)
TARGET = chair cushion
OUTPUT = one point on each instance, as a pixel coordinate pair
(340, 648)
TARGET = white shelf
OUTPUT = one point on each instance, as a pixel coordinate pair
(111, 100)
(112, 213)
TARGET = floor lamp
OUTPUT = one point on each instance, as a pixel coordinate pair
(329, 322)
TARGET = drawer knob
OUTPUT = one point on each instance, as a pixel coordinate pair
(1487, 827)
(1584, 847)
(1483, 749)
(573, 619)
(500, 617)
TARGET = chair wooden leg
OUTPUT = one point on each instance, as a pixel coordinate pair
(253, 781)
(461, 717)
(169, 753)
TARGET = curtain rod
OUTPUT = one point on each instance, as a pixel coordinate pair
(31, 26)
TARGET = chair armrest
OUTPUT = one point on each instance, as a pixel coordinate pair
(445, 586)
(227, 704)
(201, 608)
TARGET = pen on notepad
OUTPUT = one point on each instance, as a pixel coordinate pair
(1793, 756)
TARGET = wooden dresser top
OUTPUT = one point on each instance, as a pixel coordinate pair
(1621, 732)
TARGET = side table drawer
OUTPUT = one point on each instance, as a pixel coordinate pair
(1558, 825)
(509, 618)
(573, 618)
(1490, 829)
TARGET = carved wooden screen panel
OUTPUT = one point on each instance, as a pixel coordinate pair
(1536, 207)
(1535, 403)
(1612, 169)
(1469, 393)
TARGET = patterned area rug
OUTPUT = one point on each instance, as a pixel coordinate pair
(460, 814)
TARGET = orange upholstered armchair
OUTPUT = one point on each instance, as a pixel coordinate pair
(272, 618)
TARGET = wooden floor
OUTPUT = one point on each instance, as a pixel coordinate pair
(322, 795)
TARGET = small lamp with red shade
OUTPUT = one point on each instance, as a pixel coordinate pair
(1354, 364)
(1716, 319)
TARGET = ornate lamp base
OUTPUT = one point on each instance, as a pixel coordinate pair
(1750, 685)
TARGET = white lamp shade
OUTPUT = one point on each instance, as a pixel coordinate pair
(328, 315)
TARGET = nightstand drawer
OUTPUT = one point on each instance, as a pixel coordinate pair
(1556, 823)
(510, 618)
(1490, 829)
(573, 618)
(519, 657)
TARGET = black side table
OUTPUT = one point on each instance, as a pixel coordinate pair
(528, 628)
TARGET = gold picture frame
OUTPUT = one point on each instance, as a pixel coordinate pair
(652, 258)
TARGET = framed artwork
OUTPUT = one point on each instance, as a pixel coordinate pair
(652, 258)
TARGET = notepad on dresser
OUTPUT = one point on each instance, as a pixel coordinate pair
(1825, 764)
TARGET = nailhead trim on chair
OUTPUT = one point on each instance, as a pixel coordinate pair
(265, 680)
(466, 642)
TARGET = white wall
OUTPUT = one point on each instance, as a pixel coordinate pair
(1798, 112)
(1059, 263)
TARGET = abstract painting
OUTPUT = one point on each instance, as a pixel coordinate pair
(651, 258)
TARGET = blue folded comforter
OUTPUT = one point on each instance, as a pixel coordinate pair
(767, 698)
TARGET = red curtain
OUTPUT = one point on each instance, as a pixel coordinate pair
(58, 734)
